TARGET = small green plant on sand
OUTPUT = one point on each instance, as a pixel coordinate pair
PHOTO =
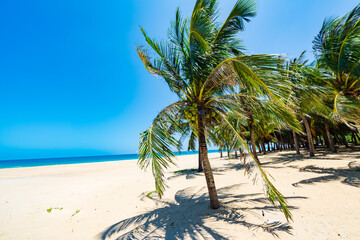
(149, 194)
(76, 212)
(50, 209)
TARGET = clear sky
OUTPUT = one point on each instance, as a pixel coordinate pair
(71, 82)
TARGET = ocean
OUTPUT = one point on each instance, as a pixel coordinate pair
(16, 163)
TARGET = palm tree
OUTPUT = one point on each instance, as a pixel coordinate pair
(337, 50)
(308, 96)
(203, 65)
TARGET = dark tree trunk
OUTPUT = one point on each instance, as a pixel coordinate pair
(220, 152)
(354, 138)
(236, 156)
(200, 168)
(326, 141)
(344, 139)
(269, 147)
(214, 201)
(252, 133)
(263, 146)
(337, 139)
(277, 142)
(330, 140)
(309, 136)
(296, 143)
(282, 142)
(357, 136)
(258, 147)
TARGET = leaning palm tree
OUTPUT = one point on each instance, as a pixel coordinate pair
(203, 64)
(337, 50)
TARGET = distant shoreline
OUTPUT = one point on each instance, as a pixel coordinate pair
(38, 162)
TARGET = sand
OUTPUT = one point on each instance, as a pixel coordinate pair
(108, 200)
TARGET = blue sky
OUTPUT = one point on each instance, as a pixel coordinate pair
(72, 84)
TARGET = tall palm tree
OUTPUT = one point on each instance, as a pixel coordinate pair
(337, 50)
(203, 64)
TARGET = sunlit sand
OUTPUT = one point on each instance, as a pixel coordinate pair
(109, 200)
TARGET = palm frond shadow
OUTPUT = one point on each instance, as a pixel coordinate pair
(189, 174)
(321, 153)
(192, 173)
(347, 176)
(186, 217)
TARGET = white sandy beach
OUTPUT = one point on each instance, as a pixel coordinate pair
(323, 193)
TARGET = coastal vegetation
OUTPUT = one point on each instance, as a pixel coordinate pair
(247, 103)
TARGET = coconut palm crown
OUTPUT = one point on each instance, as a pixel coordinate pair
(337, 49)
(203, 64)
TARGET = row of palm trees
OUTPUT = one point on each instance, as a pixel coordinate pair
(233, 100)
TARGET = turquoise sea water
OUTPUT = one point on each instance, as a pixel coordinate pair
(74, 160)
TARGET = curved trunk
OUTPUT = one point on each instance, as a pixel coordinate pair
(309, 136)
(330, 140)
(214, 201)
(296, 142)
(252, 133)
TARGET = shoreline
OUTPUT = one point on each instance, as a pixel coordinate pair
(96, 198)
(34, 162)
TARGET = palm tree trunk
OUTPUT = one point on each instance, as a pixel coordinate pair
(252, 133)
(354, 138)
(309, 136)
(344, 139)
(236, 156)
(328, 135)
(221, 152)
(258, 146)
(214, 201)
(296, 142)
(356, 135)
(282, 142)
(263, 146)
(200, 168)
(337, 139)
(277, 142)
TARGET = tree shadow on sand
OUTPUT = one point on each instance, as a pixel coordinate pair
(189, 217)
(349, 176)
(322, 153)
(189, 174)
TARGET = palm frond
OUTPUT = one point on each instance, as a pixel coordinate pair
(273, 195)
(157, 144)
(242, 11)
